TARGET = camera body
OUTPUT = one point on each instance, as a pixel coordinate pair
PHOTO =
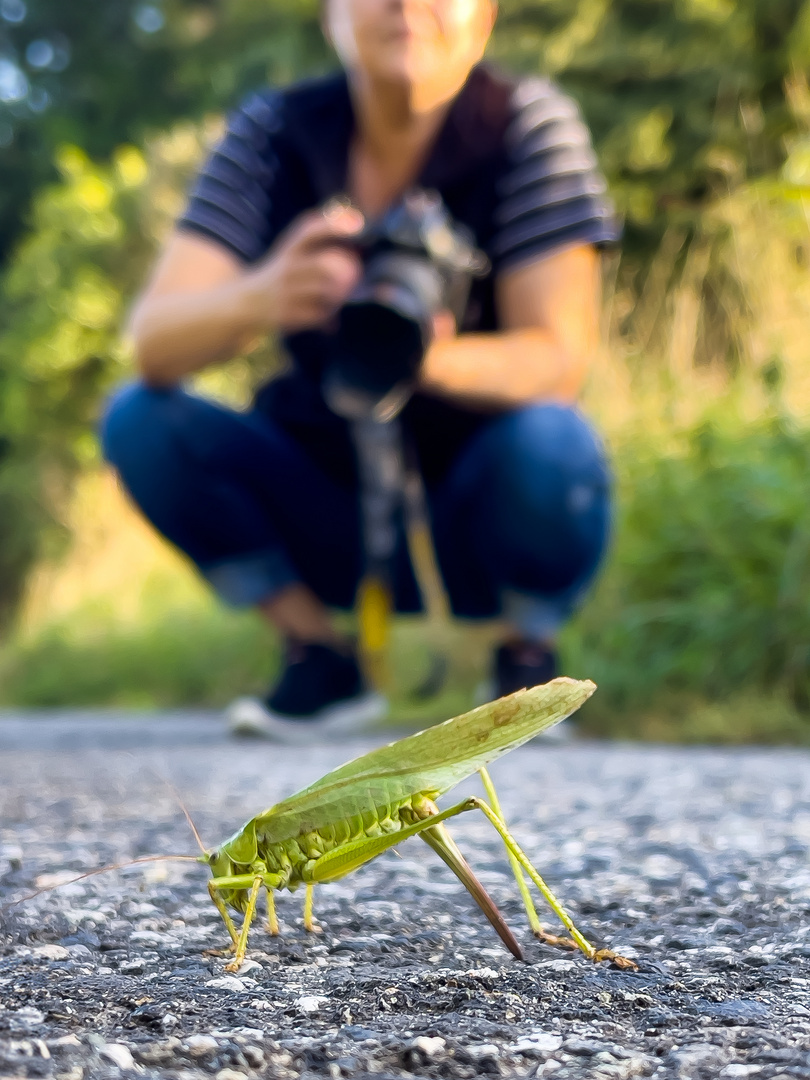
(416, 262)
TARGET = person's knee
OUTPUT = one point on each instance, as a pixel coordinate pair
(553, 497)
(543, 437)
(550, 466)
(131, 413)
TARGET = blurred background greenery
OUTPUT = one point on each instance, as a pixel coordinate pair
(700, 109)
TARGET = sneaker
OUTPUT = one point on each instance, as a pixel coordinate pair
(518, 665)
(321, 692)
(521, 664)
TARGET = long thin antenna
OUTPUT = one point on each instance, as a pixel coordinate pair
(179, 800)
(186, 814)
(104, 870)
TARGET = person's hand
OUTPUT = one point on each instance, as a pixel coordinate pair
(310, 272)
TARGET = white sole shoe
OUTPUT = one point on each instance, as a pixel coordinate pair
(250, 718)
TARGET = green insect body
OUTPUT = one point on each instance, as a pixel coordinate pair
(294, 858)
(371, 804)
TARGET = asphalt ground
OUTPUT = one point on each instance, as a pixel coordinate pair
(695, 862)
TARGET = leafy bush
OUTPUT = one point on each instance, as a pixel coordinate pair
(61, 303)
(708, 592)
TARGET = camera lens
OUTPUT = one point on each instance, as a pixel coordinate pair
(383, 332)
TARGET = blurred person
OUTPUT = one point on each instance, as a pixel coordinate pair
(266, 502)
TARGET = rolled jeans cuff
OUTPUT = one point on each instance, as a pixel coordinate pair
(247, 580)
(540, 618)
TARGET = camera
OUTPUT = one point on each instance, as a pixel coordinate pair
(417, 261)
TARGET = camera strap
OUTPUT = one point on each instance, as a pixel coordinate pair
(381, 467)
(392, 490)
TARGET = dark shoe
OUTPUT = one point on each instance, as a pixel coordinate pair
(321, 691)
(521, 664)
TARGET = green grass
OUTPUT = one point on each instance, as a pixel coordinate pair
(208, 657)
(205, 657)
(699, 630)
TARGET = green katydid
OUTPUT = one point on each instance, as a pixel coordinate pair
(373, 803)
(376, 801)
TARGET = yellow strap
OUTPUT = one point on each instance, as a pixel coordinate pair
(374, 621)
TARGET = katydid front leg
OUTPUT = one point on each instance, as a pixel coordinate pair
(243, 881)
(213, 892)
(250, 910)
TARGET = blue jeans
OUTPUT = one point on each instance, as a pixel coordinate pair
(519, 521)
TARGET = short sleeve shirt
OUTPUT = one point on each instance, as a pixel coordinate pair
(513, 162)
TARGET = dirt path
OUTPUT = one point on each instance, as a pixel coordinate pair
(695, 862)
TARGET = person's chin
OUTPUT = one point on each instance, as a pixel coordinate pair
(405, 66)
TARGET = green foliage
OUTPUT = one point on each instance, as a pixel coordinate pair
(688, 102)
(163, 662)
(202, 655)
(687, 98)
(708, 593)
(104, 72)
(60, 309)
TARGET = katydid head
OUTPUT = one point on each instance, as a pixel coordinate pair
(234, 855)
(219, 862)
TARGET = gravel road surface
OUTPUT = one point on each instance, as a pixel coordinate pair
(695, 862)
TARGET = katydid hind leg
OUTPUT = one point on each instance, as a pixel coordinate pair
(445, 847)
(347, 857)
(352, 855)
(517, 872)
(581, 942)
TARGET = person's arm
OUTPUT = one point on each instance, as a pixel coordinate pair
(549, 311)
(203, 305)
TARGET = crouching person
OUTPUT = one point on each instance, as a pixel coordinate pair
(266, 502)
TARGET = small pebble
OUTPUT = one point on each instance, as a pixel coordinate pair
(479, 1051)
(311, 1003)
(541, 1042)
(119, 1055)
(228, 982)
(79, 952)
(27, 1017)
(51, 952)
(255, 1057)
(429, 1047)
(199, 1045)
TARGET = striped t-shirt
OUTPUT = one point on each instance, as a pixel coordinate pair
(513, 162)
(520, 145)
